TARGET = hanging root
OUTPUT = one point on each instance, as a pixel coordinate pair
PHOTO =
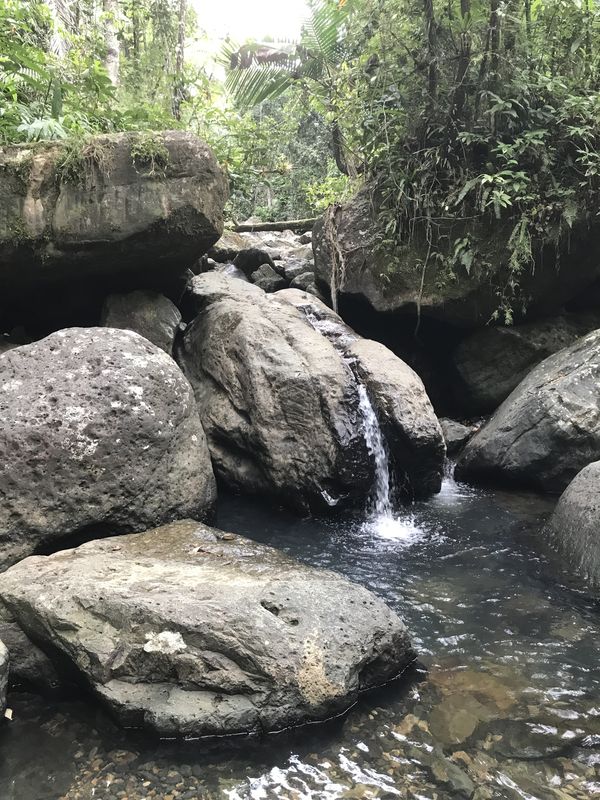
(338, 263)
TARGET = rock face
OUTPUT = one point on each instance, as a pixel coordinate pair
(456, 435)
(150, 314)
(412, 433)
(493, 361)
(280, 402)
(574, 527)
(124, 211)
(279, 407)
(189, 631)
(98, 428)
(548, 429)
(4, 664)
(391, 281)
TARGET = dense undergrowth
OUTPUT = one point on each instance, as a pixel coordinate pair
(477, 110)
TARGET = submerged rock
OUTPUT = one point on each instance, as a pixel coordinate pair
(116, 213)
(4, 665)
(150, 314)
(493, 361)
(98, 428)
(280, 401)
(574, 527)
(547, 429)
(188, 631)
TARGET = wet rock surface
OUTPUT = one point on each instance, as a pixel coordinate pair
(548, 429)
(492, 362)
(456, 435)
(189, 631)
(150, 314)
(98, 427)
(412, 432)
(574, 527)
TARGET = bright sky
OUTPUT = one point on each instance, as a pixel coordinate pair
(251, 19)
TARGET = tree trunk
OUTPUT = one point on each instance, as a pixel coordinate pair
(431, 30)
(111, 40)
(494, 40)
(300, 225)
(178, 87)
(463, 63)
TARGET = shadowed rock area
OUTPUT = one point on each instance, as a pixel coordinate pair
(574, 527)
(189, 631)
(547, 429)
(98, 427)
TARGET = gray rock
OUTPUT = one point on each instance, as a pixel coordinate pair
(4, 666)
(304, 280)
(188, 631)
(228, 246)
(279, 406)
(30, 667)
(456, 435)
(251, 259)
(268, 280)
(390, 280)
(548, 429)
(232, 271)
(293, 268)
(411, 429)
(305, 238)
(103, 220)
(150, 314)
(493, 361)
(98, 428)
(574, 527)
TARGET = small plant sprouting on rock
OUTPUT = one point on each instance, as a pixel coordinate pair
(80, 161)
(150, 154)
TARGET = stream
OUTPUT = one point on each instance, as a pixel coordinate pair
(504, 701)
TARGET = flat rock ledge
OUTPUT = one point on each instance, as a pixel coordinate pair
(189, 631)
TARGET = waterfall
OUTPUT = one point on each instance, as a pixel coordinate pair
(381, 504)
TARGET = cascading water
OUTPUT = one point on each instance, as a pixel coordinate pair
(382, 520)
(381, 504)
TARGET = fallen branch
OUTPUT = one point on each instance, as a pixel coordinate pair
(301, 225)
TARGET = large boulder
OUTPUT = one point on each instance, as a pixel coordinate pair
(280, 400)
(189, 631)
(4, 666)
(150, 314)
(574, 527)
(98, 431)
(279, 407)
(347, 241)
(119, 212)
(409, 425)
(493, 361)
(548, 429)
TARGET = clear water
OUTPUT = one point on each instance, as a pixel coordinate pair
(506, 704)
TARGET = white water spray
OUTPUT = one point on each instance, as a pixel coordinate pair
(380, 501)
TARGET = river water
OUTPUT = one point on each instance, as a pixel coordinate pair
(503, 704)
